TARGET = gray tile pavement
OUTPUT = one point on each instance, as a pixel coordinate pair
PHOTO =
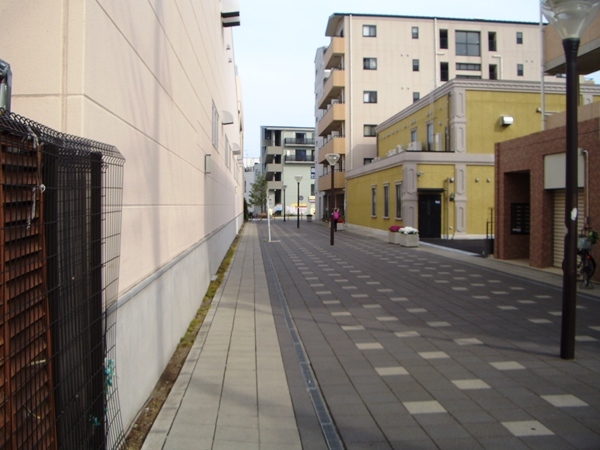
(410, 348)
(232, 392)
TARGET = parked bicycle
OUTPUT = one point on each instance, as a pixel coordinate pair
(586, 265)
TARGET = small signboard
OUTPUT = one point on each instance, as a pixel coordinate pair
(519, 218)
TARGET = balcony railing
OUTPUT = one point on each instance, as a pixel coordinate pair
(332, 88)
(297, 158)
(299, 141)
(334, 53)
(335, 144)
(333, 119)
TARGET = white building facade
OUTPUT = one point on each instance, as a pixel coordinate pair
(287, 153)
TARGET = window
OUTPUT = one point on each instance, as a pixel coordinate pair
(492, 41)
(415, 65)
(443, 39)
(399, 201)
(429, 131)
(520, 70)
(416, 96)
(370, 97)
(519, 37)
(369, 30)
(465, 66)
(413, 135)
(444, 72)
(415, 32)
(373, 201)
(215, 127)
(386, 201)
(312, 189)
(370, 63)
(467, 43)
(369, 130)
(493, 72)
(227, 152)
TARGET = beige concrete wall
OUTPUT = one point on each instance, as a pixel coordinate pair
(142, 76)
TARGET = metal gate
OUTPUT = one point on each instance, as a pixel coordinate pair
(558, 249)
(60, 234)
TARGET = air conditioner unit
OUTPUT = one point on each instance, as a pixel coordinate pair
(416, 146)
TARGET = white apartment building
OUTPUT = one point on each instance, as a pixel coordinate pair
(377, 65)
(287, 153)
(157, 80)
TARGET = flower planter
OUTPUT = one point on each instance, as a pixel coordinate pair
(408, 240)
(393, 238)
(404, 236)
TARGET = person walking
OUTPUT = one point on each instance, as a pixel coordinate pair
(334, 218)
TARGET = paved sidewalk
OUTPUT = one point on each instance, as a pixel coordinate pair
(404, 348)
(232, 392)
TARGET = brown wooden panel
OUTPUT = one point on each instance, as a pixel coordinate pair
(26, 408)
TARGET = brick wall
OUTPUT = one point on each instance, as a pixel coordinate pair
(520, 179)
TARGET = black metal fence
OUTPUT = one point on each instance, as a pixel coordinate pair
(60, 234)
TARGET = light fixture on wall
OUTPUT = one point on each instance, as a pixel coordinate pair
(450, 179)
(506, 120)
(476, 180)
(419, 174)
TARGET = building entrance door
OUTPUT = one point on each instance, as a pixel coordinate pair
(430, 215)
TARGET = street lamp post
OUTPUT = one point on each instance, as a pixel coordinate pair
(570, 18)
(332, 159)
(284, 186)
(298, 180)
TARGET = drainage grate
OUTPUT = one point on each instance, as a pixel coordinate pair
(329, 431)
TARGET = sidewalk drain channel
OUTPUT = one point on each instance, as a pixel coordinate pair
(329, 431)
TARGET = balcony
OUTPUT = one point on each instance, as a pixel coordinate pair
(336, 144)
(299, 141)
(274, 150)
(274, 168)
(333, 87)
(333, 119)
(334, 53)
(274, 185)
(324, 182)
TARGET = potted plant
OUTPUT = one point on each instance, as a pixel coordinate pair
(393, 235)
(408, 237)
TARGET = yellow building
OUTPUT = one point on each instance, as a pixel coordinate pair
(435, 165)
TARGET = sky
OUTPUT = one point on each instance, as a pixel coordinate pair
(276, 44)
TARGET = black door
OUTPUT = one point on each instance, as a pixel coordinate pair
(430, 215)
